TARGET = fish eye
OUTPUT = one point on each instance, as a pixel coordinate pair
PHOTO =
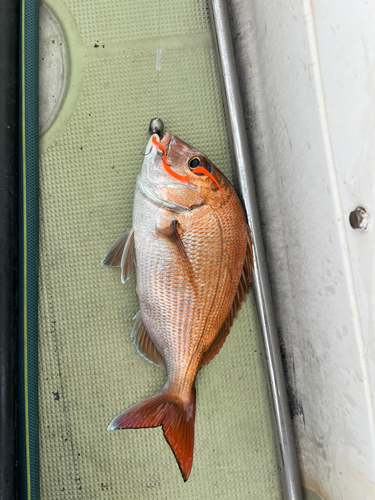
(200, 162)
(194, 163)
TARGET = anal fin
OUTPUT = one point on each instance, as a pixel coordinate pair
(144, 344)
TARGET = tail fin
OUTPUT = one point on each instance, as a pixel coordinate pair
(175, 415)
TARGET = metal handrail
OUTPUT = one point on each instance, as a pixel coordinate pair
(262, 293)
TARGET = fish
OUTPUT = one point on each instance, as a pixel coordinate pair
(192, 250)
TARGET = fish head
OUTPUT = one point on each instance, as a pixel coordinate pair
(179, 176)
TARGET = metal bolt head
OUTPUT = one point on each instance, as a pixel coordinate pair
(359, 219)
(156, 127)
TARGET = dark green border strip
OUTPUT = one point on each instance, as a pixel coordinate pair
(9, 36)
(28, 251)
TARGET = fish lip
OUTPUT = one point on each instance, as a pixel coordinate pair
(166, 141)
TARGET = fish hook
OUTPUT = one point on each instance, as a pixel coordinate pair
(145, 154)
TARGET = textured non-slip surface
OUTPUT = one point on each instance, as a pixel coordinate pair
(114, 21)
(89, 368)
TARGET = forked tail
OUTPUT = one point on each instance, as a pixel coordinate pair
(174, 414)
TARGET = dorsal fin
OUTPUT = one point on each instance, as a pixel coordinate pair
(249, 259)
(114, 255)
(243, 287)
(144, 344)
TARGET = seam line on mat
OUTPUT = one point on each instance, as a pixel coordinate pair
(25, 256)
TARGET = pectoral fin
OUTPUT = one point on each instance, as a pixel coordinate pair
(183, 256)
(169, 227)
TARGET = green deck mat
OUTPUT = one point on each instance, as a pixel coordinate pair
(89, 368)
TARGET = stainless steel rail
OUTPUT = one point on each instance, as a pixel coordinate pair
(290, 473)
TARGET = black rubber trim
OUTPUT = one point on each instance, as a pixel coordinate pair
(9, 61)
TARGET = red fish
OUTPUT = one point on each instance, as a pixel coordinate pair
(192, 250)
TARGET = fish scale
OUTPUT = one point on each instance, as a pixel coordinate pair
(189, 240)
